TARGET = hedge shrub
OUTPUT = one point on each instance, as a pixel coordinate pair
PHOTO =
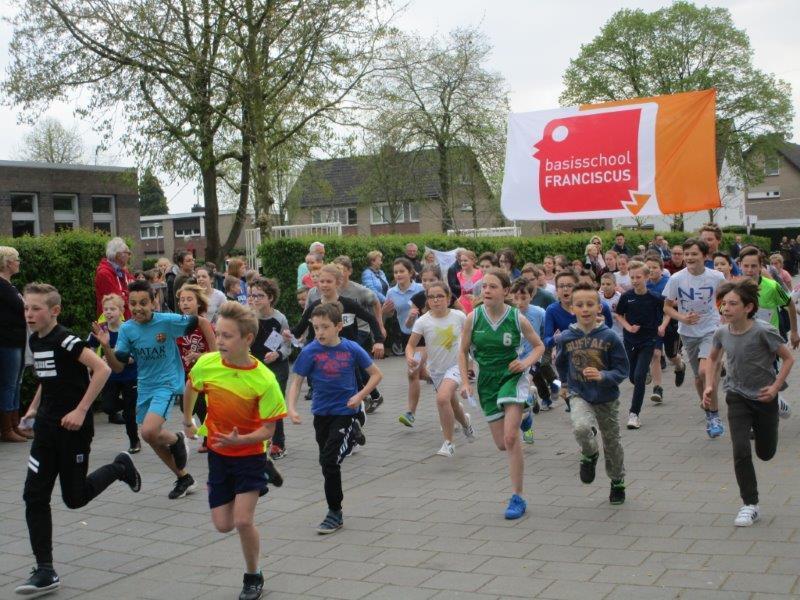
(280, 257)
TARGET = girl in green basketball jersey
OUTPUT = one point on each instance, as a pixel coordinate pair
(493, 334)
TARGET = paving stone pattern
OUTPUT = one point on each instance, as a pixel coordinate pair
(419, 526)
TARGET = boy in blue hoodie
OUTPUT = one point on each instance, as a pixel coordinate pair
(591, 361)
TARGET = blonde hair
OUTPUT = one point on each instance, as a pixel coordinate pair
(636, 264)
(7, 253)
(373, 254)
(335, 270)
(199, 293)
(245, 318)
(51, 296)
(115, 298)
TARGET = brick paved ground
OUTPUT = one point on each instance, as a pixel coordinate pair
(421, 526)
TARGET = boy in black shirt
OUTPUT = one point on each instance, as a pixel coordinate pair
(62, 431)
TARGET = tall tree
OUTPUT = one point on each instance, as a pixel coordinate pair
(443, 96)
(152, 200)
(683, 48)
(49, 141)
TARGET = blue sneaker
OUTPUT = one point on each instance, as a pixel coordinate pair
(547, 404)
(516, 507)
(714, 427)
(527, 421)
(555, 387)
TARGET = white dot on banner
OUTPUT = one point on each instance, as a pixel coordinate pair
(560, 133)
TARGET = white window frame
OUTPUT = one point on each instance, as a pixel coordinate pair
(110, 217)
(158, 233)
(466, 206)
(773, 162)
(339, 214)
(413, 207)
(64, 216)
(27, 216)
(382, 216)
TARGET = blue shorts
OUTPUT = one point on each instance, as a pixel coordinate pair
(231, 475)
(154, 401)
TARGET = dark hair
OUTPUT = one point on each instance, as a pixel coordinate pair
(588, 273)
(490, 256)
(508, 254)
(142, 286)
(725, 256)
(269, 286)
(655, 257)
(344, 261)
(522, 285)
(330, 310)
(210, 267)
(409, 266)
(566, 273)
(505, 281)
(746, 289)
(749, 251)
(230, 281)
(701, 245)
(584, 286)
(440, 284)
(619, 233)
(180, 256)
(713, 228)
(431, 269)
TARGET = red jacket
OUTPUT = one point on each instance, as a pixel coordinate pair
(107, 280)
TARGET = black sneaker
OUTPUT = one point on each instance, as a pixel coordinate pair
(587, 467)
(42, 581)
(680, 375)
(617, 495)
(333, 521)
(116, 418)
(135, 448)
(129, 473)
(253, 587)
(568, 407)
(274, 476)
(663, 362)
(180, 451)
(658, 394)
(183, 485)
(358, 434)
(372, 404)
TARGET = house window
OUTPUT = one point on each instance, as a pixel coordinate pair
(65, 212)
(772, 166)
(345, 215)
(24, 214)
(187, 227)
(103, 214)
(413, 212)
(381, 214)
(151, 231)
(466, 206)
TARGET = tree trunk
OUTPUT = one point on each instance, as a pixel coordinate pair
(444, 185)
(209, 175)
(244, 188)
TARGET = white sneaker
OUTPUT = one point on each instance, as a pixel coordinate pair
(784, 410)
(447, 450)
(633, 421)
(355, 449)
(469, 431)
(748, 515)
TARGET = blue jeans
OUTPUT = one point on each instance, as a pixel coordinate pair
(639, 356)
(11, 365)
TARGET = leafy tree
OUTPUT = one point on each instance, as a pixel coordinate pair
(51, 142)
(683, 48)
(152, 200)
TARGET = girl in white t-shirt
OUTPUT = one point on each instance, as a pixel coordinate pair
(441, 327)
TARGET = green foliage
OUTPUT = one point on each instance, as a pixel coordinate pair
(67, 261)
(149, 263)
(152, 200)
(280, 257)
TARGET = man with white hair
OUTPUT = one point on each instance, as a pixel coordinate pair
(112, 275)
(302, 268)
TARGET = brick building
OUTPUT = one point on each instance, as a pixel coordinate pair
(38, 198)
(775, 202)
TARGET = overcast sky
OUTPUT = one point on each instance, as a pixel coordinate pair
(533, 43)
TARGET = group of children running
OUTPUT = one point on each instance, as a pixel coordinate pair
(506, 347)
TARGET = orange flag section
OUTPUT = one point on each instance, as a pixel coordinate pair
(686, 166)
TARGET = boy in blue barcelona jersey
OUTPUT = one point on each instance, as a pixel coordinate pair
(150, 338)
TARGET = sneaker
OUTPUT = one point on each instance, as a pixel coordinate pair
(555, 387)
(333, 521)
(447, 450)
(547, 404)
(784, 410)
(183, 485)
(714, 427)
(680, 375)
(180, 451)
(407, 419)
(372, 404)
(617, 495)
(135, 448)
(308, 395)
(253, 587)
(568, 407)
(658, 394)
(633, 421)
(358, 433)
(587, 467)
(533, 401)
(469, 430)
(129, 473)
(748, 515)
(276, 452)
(516, 507)
(527, 436)
(274, 476)
(42, 581)
(527, 421)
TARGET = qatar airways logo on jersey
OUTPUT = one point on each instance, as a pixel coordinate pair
(154, 353)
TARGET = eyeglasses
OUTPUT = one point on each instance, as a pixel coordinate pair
(436, 296)
(256, 296)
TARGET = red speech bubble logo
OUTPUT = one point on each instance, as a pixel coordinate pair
(589, 162)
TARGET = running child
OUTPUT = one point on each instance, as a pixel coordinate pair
(119, 384)
(492, 334)
(330, 363)
(151, 338)
(609, 295)
(270, 347)
(62, 430)
(657, 278)
(622, 278)
(591, 359)
(441, 328)
(751, 385)
(244, 402)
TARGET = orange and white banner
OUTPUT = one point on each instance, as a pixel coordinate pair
(644, 156)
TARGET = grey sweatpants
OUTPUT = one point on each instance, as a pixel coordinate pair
(586, 420)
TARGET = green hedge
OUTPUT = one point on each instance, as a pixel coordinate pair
(280, 257)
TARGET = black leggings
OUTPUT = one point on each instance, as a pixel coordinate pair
(111, 404)
(762, 417)
(56, 452)
(335, 437)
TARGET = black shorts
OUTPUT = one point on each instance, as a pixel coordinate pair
(231, 475)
